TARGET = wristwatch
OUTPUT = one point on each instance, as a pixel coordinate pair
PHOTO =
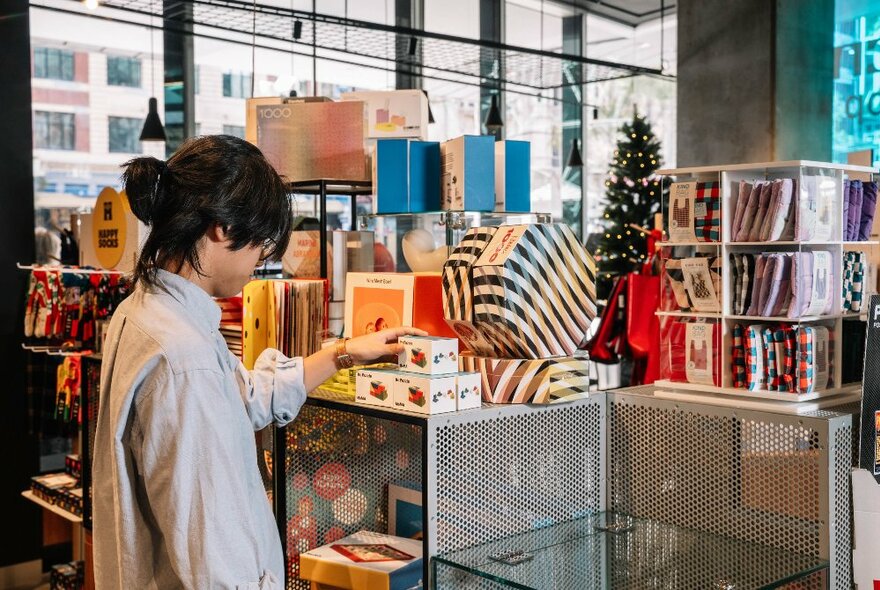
(343, 359)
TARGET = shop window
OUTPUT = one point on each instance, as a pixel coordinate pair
(124, 135)
(80, 190)
(236, 85)
(55, 64)
(236, 130)
(124, 71)
(54, 131)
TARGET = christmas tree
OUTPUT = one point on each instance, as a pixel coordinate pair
(634, 194)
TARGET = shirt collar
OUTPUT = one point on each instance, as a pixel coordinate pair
(193, 298)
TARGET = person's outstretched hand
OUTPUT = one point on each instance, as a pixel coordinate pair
(370, 347)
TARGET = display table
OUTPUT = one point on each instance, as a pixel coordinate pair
(615, 551)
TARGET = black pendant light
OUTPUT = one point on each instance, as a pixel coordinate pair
(493, 118)
(153, 130)
(574, 156)
(430, 112)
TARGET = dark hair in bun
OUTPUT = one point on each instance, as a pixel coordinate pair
(141, 180)
(212, 179)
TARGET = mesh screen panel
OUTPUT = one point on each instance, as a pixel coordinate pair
(518, 470)
(339, 465)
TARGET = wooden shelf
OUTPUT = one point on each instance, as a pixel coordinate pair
(29, 495)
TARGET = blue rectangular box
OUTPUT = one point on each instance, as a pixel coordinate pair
(513, 176)
(390, 172)
(468, 173)
(424, 176)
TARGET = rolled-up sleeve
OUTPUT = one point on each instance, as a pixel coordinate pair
(274, 391)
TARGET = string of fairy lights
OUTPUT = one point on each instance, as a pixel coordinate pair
(618, 159)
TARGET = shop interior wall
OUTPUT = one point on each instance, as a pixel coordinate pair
(21, 520)
(754, 80)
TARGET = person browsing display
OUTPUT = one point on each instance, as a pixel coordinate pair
(178, 497)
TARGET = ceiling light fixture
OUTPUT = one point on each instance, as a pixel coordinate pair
(493, 118)
(574, 155)
(153, 130)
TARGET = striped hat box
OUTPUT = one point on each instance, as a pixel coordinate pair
(536, 284)
(457, 299)
(458, 295)
(535, 381)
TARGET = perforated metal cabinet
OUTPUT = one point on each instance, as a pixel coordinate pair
(774, 479)
(484, 474)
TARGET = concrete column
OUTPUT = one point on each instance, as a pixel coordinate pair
(754, 80)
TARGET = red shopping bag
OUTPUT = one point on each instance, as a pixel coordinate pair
(609, 341)
(643, 327)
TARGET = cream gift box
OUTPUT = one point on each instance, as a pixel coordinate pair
(469, 388)
(393, 113)
(424, 394)
(428, 355)
(375, 387)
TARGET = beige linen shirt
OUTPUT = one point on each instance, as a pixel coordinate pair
(178, 497)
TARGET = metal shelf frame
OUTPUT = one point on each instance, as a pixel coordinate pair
(376, 45)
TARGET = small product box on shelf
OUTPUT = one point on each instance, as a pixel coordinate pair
(424, 394)
(375, 387)
(467, 166)
(312, 140)
(73, 466)
(424, 176)
(364, 561)
(48, 487)
(406, 176)
(390, 176)
(512, 176)
(470, 391)
(429, 355)
(393, 113)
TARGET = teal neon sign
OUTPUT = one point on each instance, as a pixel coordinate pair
(857, 86)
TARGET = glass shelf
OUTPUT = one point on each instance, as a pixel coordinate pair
(432, 231)
(466, 218)
(614, 552)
